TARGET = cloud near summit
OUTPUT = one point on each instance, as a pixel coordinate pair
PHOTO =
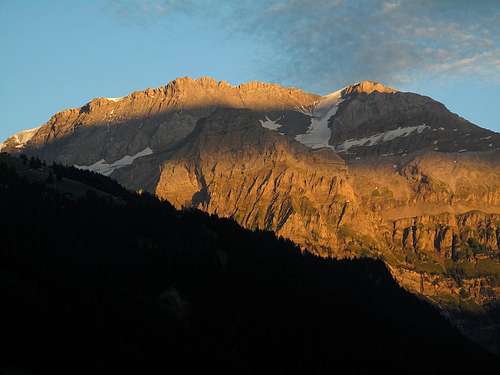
(337, 42)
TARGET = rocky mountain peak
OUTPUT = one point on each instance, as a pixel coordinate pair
(18, 140)
(367, 87)
(204, 82)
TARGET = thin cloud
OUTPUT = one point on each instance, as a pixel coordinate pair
(145, 12)
(323, 43)
(389, 6)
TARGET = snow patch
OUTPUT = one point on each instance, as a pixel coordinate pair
(304, 110)
(270, 124)
(381, 137)
(318, 134)
(24, 136)
(21, 138)
(115, 99)
(107, 169)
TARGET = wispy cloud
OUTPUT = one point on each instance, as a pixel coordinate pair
(145, 12)
(328, 43)
(389, 6)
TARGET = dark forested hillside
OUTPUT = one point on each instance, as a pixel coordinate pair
(110, 280)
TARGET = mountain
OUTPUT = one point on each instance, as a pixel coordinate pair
(367, 170)
(100, 279)
(18, 140)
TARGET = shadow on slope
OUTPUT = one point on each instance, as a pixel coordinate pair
(90, 285)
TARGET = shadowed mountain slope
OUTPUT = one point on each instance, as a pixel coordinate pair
(112, 280)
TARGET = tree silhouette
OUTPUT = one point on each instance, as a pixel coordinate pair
(133, 284)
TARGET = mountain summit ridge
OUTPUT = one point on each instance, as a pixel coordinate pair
(367, 87)
(180, 84)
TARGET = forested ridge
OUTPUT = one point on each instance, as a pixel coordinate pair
(114, 280)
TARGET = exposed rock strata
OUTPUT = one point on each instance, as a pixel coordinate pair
(233, 168)
(156, 118)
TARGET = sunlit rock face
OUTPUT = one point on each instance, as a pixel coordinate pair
(366, 87)
(366, 170)
(261, 178)
(110, 128)
(18, 140)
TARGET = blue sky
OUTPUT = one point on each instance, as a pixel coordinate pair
(60, 54)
